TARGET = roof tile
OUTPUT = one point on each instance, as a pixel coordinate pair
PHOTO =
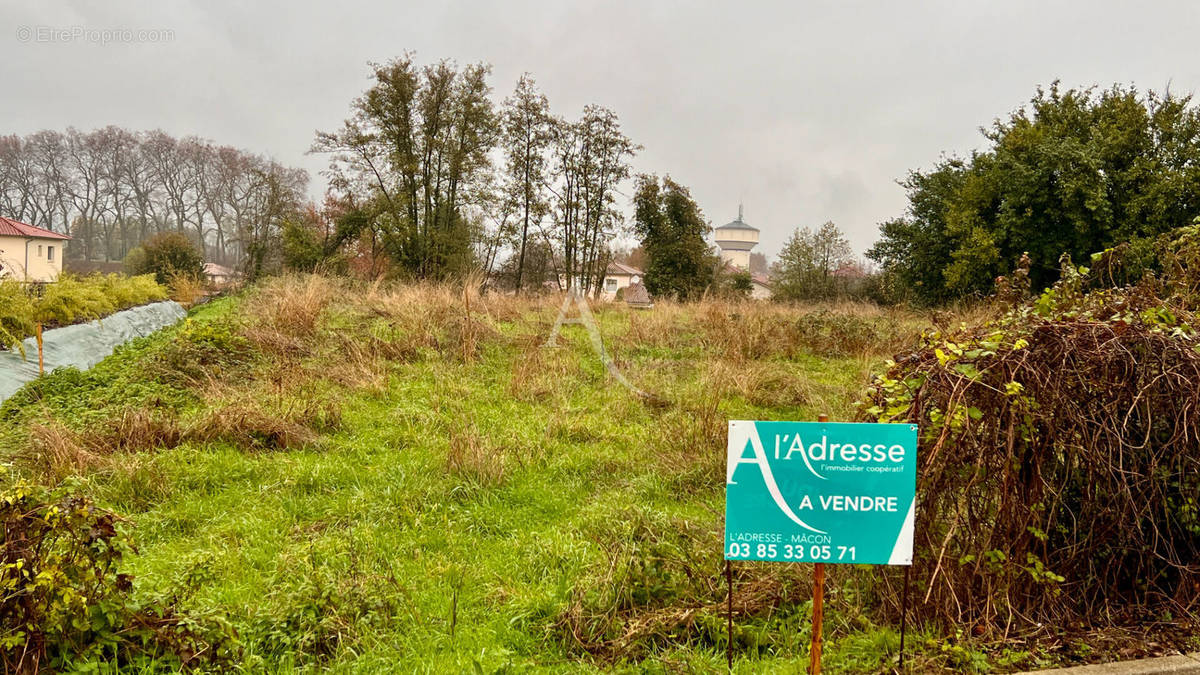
(12, 228)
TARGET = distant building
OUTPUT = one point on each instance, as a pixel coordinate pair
(29, 253)
(849, 270)
(218, 274)
(735, 240)
(760, 287)
(618, 277)
(760, 284)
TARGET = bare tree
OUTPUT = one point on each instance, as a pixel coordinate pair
(591, 160)
(167, 166)
(51, 203)
(111, 188)
(527, 132)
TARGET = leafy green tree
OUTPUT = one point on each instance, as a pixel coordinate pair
(831, 249)
(672, 229)
(302, 247)
(413, 156)
(1073, 172)
(795, 269)
(807, 265)
(914, 250)
(738, 284)
(134, 261)
(168, 255)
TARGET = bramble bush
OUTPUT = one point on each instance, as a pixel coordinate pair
(63, 602)
(1059, 478)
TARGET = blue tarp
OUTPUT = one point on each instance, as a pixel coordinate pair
(85, 344)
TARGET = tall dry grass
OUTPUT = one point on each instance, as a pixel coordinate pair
(260, 374)
(747, 331)
(394, 321)
(186, 289)
(283, 313)
(473, 455)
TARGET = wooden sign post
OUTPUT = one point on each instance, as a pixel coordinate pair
(41, 358)
(818, 610)
(729, 617)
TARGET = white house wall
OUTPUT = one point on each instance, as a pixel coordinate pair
(623, 281)
(40, 267)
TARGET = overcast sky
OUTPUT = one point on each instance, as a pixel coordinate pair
(806, 111)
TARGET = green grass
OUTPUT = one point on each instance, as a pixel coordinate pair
(472, 515)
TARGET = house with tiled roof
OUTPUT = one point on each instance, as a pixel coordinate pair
(760, 286)
(618, 277)
(29, 253)
(218, 274)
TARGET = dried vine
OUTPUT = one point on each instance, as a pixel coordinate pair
(1060, 452)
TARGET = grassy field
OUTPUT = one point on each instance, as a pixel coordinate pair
(367, 479)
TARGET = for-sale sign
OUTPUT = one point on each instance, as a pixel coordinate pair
(820, 492)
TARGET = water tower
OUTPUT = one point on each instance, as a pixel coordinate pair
(735, 241)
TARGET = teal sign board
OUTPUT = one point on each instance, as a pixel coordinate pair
(820, 492)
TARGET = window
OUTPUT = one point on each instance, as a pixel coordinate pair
(50, 253)
(610, 284)
(39, 250)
